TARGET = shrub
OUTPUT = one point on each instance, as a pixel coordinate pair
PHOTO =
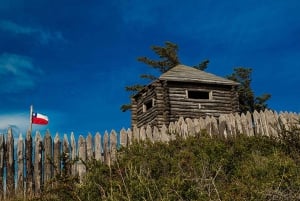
(197, 168)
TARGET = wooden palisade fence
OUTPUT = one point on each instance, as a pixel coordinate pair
(25, 172)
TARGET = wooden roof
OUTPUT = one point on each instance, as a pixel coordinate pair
(184, 73)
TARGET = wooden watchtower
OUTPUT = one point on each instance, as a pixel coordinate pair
(183, 91)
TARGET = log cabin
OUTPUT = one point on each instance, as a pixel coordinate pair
(186, 92)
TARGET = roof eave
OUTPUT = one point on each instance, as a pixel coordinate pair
(202, 81)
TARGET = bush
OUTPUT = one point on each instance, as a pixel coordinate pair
(197, 168)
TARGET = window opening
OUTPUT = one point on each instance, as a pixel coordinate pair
(198, 95)
(148, 105)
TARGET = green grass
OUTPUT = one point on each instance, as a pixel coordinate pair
(198, 168)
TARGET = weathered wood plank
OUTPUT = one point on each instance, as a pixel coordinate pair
(106, 149)
(2, 159)
(82, 157)
(89, 147)
(66, 156)
(149, 133)
(165, 137)
(156, 135)
(113, 146)
(48, 157)
(57, 155)
(10, 164)
(257, 123)
(20, 174)
(142, 134)
(244, 124)
(38, 163)
(29, 165)
(123, 138)
(264, 123)
(98, 147)
(223, 130)
(190, 127)
(238, 123)
(136, 134)
(73, 154)
(129, 137)
(249, 124)
(214, 127)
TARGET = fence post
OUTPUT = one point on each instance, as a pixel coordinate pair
(38, 163)
(222, 126)
(98, 147)
(171, 129)
(238, 124)
(57, 155)
(123, 138)
(89, 147)
(2, 158)
(202, 124)
(48, 157)
(149, 135)
(20, 157)
(156, 134)
(73, 154)
(129, 136)
(66, 156)
(165, 136)
(82, 157)
(136, 134)
(233, 125)
(10, 164)
(106, 149)
(29, 166)
(142, 134)
(257, 123)
(250, 124)
(190, 127)
(113, 146)
(197, 126)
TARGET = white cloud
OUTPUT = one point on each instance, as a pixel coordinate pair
(43, 36)
(19, 122)
(17, 73)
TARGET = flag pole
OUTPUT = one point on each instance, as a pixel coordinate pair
(30, 118)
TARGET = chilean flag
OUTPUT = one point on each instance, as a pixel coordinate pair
(38, 118)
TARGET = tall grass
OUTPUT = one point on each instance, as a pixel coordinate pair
(196, 168)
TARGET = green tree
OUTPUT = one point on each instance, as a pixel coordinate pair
(203, 65)
(168, 58)
(247, 99)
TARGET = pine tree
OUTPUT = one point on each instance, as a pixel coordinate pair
(247, 99)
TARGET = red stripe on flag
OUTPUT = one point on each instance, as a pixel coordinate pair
(39, 119)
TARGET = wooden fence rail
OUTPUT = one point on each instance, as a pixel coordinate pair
(28, 164)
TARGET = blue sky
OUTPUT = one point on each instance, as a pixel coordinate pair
(72, 59)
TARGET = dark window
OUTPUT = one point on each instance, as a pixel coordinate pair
(148, 105)
(198, 94)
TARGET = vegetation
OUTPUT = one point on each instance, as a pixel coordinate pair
(247, 99)
(196, 168)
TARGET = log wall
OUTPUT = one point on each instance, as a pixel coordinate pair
(171, 102)
(154, 115)
(223, 101)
